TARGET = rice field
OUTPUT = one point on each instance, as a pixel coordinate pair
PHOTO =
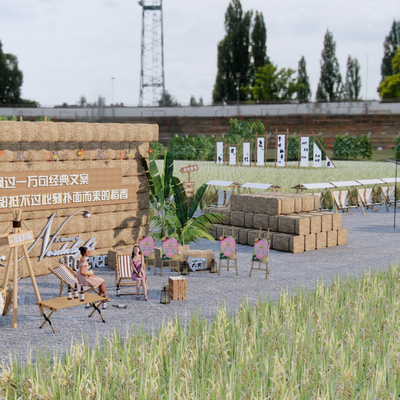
(335, 342)
(284, 177)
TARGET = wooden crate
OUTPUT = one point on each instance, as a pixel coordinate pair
(177, 287)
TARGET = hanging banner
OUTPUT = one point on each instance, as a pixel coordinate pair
(281, 153)
(317, 163)
(246, 153)
(232, 155)
(220, 152)
(260, 151)
(329, 163)
(304, 151)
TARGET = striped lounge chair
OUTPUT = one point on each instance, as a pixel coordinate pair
(123, 274)
(68, 277)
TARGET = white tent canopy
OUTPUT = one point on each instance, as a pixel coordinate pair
(220, 183)
(345, 183)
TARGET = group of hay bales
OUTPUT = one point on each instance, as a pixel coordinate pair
(293, 221)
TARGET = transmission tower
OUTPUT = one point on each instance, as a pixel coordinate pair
(152, 85)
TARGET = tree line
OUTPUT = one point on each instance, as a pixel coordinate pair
(246, 73)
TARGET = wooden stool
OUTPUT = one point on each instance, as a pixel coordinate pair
(266, 269)
(227, 264)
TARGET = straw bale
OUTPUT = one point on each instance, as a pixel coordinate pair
(315, 221)
(11, 132)
(286, 242)
(326, 220)
(252, 236)
(320, 240)
(309, 242)
(242, 236)
(66, 133)
(112, 259)
(342, 236)
(308, 203)
(273, 223)
(237, 218)
(298, 204)
(207, 254)
(157, 253)
(293, 224)
(9, 150)
(331, 238)
(261, 221)
(248, 220)
(337, 221)
(240, 203)
(316, 202)
(141, 182)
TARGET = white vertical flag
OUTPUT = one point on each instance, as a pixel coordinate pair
(304, 151)
(232, 155)
(260, 151)
(246, 153)
(329, 163)
(281, 151)
(317, 156)
(220, 152)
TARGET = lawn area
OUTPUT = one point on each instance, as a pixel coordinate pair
(284, 177)
(334, 342)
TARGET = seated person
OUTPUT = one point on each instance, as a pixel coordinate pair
(88, 278)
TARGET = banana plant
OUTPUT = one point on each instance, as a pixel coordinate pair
(173, 212)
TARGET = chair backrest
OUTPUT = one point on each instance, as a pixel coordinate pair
(228, 196)
(368, 196)
(221, 198)
(390, 193)
(64, 273)
(344, 195)
(124, 267)
(336, 197)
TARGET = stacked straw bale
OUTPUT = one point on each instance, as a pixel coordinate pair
(114, 225)
(292, 220)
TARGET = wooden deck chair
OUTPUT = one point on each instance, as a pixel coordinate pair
(123, 274)
(68, 277)
(228, 195)
(368, 199)
(221, 198)
(337, 201)
(390, 197)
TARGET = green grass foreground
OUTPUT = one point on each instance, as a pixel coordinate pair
(335, 342)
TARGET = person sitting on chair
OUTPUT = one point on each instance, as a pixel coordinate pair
(138, 271)
(88, 278)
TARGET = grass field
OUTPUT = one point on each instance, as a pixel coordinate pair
(335, 342)
(284, 177)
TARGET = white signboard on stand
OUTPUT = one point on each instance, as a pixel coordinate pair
(281, 151)
(220, 152)
(329, 163)
(260, 151)
(317, 157)
(232, 155)
(304, 151)
(246, 153)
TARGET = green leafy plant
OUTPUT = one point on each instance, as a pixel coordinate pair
(346, 147)
(201, 148)
(156, 149)
(173, 212)
(397, 148)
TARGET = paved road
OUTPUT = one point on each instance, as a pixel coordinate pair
(372, 242)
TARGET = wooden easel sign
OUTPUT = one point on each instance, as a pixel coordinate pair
(189, 186)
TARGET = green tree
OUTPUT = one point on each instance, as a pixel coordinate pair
(330, 82)
(390, 45)
(10, 79)
(390, 87)
(352, 87)
(304, 92)
(170, 101)
(233, 54)
(271, 84)
(258, 43)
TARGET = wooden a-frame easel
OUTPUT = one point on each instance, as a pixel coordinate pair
(15, 240)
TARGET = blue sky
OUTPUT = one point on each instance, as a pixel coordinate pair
(73, 48)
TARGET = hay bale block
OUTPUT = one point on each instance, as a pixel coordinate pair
(309, 242)
(326, 220)
(248, 220)
(243, 235)
(157, 253)
(331, 238)
(320, 240)
(261, 221)
(207, 254)
(309, 203)
(112, 259)
(293, 224)
(337, 221)
(342, 236)
(237, 218)
(286, 242)
(273, 223)
(315, 221)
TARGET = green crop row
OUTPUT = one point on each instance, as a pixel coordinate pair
(335, 342)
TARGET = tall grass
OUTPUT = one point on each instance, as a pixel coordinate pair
(336, 342)
(284, 177)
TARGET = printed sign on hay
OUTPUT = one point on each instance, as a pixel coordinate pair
(169, 249)
(227, 248)
(197, 263)
(147, 246)
(260, 250)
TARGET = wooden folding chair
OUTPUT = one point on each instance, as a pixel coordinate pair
(390, 198)
(369, 201)
(123, 275)
(68, 277)
(340, 202)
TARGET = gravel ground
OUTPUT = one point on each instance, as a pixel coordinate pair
(372, 242)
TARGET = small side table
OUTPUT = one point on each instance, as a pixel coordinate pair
(59, 303)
